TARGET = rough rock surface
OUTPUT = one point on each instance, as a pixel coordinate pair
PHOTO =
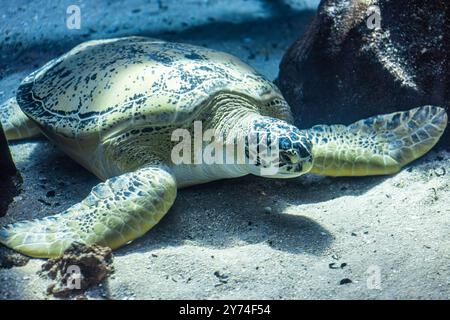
(10, 179)
(79, 268)
(346, 66)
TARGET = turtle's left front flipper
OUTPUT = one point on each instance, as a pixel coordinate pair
(117, 211)
(378, 145)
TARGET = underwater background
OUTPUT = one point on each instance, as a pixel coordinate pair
(249, 238)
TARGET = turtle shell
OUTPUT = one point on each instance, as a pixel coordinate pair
(101, 87)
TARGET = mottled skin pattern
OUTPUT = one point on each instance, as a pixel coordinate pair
(378, 145)
(112, 105)
(146, 194)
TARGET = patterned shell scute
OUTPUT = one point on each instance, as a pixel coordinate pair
(101, 87)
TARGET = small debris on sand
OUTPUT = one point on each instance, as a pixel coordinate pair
(345, 281)
(268, 210)
(79, 268)
(223, 278)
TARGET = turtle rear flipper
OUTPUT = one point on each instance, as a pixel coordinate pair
(378, 145)
(16, 124)
(116, 212)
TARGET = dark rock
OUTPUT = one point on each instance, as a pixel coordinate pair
(7, 166)
(344, 68)
(10, 180)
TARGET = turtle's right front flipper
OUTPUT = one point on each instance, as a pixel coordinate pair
(375, 146)
(16, 124)
(117, 211)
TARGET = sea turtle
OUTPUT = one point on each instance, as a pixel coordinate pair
(113, 106)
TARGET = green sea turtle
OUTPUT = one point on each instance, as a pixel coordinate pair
(112, 105)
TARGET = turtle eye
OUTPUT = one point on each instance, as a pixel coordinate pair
(303, 149)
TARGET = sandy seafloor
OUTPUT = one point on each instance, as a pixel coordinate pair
(220, 240)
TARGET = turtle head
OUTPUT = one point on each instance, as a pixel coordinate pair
(276, 149)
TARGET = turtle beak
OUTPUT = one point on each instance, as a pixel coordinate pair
(293, 163)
